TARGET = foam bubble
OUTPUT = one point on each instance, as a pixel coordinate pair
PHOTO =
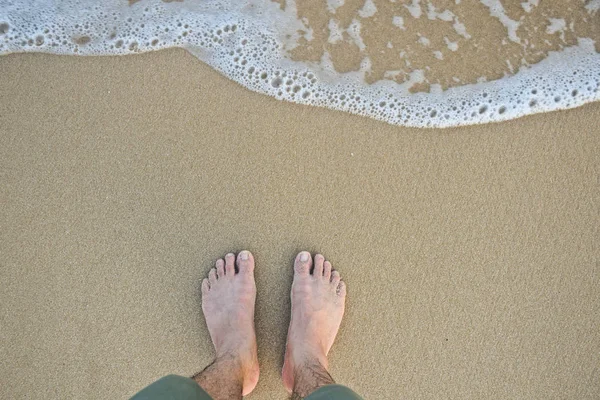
(250, 42)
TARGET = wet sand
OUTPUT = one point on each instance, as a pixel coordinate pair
(471, 254)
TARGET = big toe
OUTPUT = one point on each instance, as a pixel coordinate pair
(303, 263)
(245, 262)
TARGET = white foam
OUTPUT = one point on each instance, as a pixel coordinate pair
(392, 74)
(556, 25)
(249, 43)
(424, 41)
(593, 6)
(354, 33)
(460, 29)
(335, 32)
(451, 45)
(497, 10)
(333, 5)
(529, 5)
(399, 22)
(433, 14)
(368, 9)
(414, 8)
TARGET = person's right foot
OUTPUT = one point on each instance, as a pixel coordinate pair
(228, 299)
(317, 308)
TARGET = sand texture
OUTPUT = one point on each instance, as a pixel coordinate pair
(471, 254)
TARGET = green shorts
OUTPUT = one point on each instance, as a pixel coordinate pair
(174, 387)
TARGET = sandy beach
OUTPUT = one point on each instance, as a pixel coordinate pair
(471, 254)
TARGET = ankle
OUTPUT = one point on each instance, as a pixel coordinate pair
(242, 365)
(309, 375)
(223, 379)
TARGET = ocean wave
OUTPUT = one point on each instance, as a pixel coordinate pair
(413, 63)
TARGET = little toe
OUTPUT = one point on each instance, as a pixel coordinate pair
(220, 264)
(230, 264)
(318, 270)
(205, 287)
(327, 270)
(245, 262)
(302, 263)
(212, 276)
(335, 278)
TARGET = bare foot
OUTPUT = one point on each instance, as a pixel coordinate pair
(228, 299)
(317, 308)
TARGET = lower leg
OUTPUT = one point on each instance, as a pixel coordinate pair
(223, 379)
(309, 375)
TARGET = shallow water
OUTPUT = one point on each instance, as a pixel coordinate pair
(416, 63)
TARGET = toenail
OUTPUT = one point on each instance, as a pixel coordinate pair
(244, 256)
(304, 257)
(229, 255)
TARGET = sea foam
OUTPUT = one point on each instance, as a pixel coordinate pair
(253, 42)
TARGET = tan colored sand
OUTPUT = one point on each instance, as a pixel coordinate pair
(471, 254)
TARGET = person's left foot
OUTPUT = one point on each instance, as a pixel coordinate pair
(228, 298)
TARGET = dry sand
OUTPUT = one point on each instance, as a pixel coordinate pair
(471, 254)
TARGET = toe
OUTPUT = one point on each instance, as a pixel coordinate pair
(205, 287)
(212, 276)
(335, 278)
(302, 263)
(230, 264)
(319, 260)
(245, 262)
(220, 264)
(327, 270)
(341, 289)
